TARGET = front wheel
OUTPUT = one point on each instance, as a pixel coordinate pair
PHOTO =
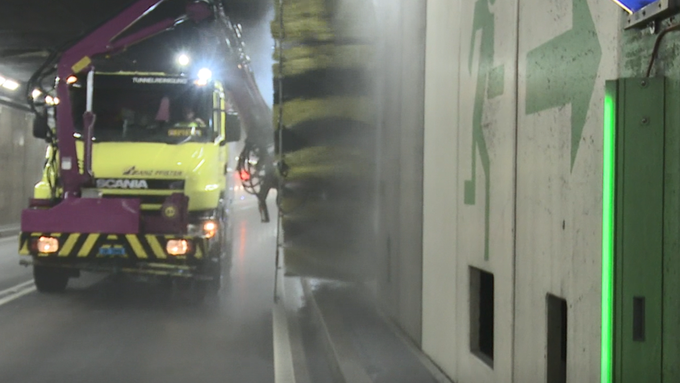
(50, 279)
(212, 286)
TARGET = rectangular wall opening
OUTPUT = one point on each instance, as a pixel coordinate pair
(557, 339)
(482, 314)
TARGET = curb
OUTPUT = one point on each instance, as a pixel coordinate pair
(345, 362)
(345, 368)
(429, 364)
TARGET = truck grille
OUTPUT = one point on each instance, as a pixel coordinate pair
(146, 199)
(151, 192)
(138, 184)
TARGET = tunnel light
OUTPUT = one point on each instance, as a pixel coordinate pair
(47, 245)
(608, 230)
(177, 247)
(632, 6)
(36, 93)
(71, 80)
(2, 80)
(647, 13)
(10, 84)
(183, 59)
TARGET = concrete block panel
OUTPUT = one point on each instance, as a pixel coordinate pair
(22, 158)
(567, 49)
(441, 318)
(401, 62)
(529, 73)
(480, 194)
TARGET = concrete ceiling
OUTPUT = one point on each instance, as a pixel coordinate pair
(30, 29)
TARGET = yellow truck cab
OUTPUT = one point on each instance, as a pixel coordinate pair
(154, 136)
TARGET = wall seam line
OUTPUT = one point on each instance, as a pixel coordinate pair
(515, 176)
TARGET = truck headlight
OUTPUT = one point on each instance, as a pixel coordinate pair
(177, 247)
(209, 228)
(206, 229)
(47, 245)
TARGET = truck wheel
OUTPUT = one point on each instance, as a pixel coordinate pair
(211, 287)
(204, 290)
(49, 279)
(208, 287)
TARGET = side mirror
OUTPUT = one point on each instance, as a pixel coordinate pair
(40, 127)
(233, 127)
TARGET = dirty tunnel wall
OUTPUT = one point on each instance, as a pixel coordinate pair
(512, 182)
(400, 59)
(22, 157)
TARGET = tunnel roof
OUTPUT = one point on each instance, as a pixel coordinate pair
(32, 29)
(29, 29)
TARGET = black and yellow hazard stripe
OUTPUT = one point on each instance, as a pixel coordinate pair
(140, 246)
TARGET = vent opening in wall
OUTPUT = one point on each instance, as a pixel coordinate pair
(557, 339)
(482, 314)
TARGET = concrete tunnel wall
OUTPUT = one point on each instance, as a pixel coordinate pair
(21, 158)
(513, 108)
(544, 211)
(400, 57)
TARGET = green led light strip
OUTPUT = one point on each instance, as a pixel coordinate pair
(608, 189)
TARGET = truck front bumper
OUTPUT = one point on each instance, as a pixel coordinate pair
(130, 253)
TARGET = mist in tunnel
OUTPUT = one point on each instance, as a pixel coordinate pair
(349, 122)
(332, 73)
(325, 119)
(254, 17)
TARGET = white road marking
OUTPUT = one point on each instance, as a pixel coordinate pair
(283, 359)
(15, 292)
(284, 370)
(14, 289)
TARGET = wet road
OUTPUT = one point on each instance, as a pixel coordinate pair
(106, 329)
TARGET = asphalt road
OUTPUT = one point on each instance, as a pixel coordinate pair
(11, 273)
(106, 329)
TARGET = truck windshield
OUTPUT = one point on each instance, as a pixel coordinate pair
(146, 109)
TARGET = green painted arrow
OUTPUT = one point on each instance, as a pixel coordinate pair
(563, 71)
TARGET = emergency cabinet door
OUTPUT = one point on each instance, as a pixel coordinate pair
(639, 231)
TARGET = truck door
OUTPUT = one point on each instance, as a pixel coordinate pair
(219, 118)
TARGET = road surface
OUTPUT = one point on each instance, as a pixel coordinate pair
(107, 329)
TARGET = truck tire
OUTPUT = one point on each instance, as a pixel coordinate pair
(49, 279)
(212, 286)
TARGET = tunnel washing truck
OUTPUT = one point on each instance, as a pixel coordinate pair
(155, 199)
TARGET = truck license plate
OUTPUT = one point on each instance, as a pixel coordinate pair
(112, 251)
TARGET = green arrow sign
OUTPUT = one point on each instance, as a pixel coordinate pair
(563, 71)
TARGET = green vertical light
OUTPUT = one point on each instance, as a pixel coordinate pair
(608, 190)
